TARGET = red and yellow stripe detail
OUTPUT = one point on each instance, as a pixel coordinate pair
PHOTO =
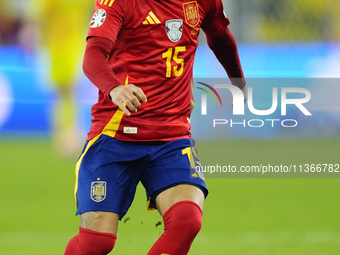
(105, 2)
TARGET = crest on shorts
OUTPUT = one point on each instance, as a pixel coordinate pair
(98, 18)
(98, 191)
(191, 13)
(174, 29)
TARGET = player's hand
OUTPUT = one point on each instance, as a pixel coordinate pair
(129, 94)
(244, 91)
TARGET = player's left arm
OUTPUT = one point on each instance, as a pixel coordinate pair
(222, 42)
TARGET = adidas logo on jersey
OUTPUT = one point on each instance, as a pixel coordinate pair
(151, 19)
(130, 130)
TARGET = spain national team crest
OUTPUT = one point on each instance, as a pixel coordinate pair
(98, 18)
(191, 13)
(98, 191)
(174, 29)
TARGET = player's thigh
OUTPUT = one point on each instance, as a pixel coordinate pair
(106, 222)
(172, 177)
(106, 181)
(182, 192)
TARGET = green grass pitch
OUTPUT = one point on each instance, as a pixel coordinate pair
(253, 216)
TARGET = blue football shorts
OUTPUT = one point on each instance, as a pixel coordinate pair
(109, 170)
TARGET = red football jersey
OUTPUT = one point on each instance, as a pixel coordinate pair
(154, 49)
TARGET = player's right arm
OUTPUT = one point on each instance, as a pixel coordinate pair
(105, 26)
(99, 72)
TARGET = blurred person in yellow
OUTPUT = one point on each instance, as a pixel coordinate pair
(61, 28)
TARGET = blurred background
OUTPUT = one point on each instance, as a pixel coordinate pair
(45, 103)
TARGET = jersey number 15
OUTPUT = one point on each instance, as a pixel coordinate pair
(169, 56)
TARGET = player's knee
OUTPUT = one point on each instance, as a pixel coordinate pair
(191, 227)
(101, 245)
(186, 218)
(89, 242)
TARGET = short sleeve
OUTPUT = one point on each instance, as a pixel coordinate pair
(107, 19)
(215, 21)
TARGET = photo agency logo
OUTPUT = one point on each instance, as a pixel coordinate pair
(286, 97)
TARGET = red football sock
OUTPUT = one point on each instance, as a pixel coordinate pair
(182, 222)
(89, 242)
